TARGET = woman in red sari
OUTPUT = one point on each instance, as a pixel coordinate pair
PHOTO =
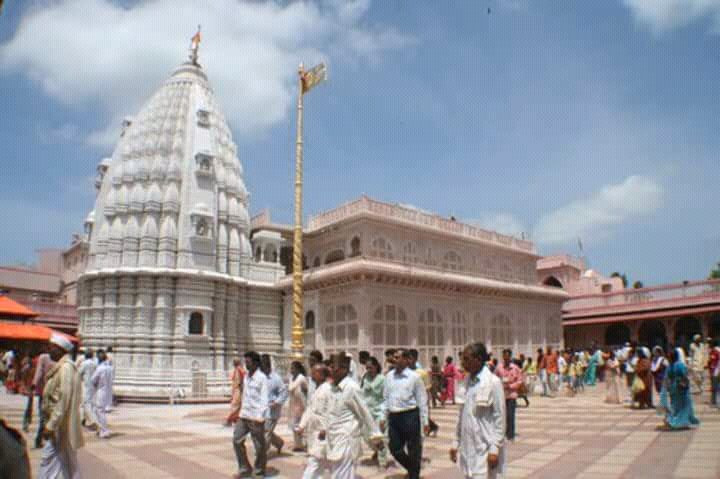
(450, 374)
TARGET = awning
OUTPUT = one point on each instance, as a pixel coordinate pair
(29, 332)
(8, 307)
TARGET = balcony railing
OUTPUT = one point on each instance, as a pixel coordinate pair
(695, 291)
(415, 216)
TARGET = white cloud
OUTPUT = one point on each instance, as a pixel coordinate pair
(250, 51)
(665, 15)
(504, 223)
(590, 217)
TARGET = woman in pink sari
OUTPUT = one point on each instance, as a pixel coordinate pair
(450, 374)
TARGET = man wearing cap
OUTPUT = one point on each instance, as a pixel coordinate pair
(698, 362)
(62, 397)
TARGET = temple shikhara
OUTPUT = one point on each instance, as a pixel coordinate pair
(179, 280)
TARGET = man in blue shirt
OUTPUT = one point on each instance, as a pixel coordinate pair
(406, 409)
(277, 395)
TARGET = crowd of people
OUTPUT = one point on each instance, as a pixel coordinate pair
(71, 392)
(343, 405)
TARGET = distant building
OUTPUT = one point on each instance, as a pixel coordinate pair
(49, 287)
(601, 311)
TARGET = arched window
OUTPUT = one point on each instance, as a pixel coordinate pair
(459, 329)
(270, 255)
(334, 256)
(536, 332)
(258, 254)
(310, 320)
(500, 331)
(431, 335)
(316, 262)
(381, 248)
(480, 329)
(410, 252)
(617, 334)
(452, 261)
(389, 328)
(195, 325)
(340, 331)
(430, 258)
(554, 282)
(355, 247)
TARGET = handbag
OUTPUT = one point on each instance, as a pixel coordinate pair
(638, 385)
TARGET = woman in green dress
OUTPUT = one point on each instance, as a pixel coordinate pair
(372, 386)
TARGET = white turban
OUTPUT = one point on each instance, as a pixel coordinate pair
(61, 341)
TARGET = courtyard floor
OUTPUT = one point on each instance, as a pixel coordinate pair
(558, 438)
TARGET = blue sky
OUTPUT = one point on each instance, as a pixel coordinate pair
(561, 120)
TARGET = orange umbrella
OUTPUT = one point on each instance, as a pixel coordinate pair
(29, 332)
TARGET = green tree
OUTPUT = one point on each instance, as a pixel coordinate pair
(623, 277)
(638, 285)
(715, 272)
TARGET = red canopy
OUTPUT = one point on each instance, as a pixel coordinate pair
(29, 332)
(8, 307)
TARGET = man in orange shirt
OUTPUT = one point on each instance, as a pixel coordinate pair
(551, 367)
(238, 375)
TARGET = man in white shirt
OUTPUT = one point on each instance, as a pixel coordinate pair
(86, 371)
(406, 409)
(102, 382)
(255, 403)
(277, 395)
(111, 362)
(314, 358)
(347, 419)
(314, 424)
(698, 363)
(480, 434)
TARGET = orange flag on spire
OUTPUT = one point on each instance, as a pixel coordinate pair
(196, 38)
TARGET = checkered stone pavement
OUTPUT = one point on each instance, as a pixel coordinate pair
(578, 437)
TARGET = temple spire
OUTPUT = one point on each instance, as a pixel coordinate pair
(194, 44)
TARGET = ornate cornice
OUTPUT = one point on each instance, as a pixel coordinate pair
(372, 271)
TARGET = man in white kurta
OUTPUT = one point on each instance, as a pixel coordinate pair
(102, 382)
(478, 447)
(314, 423)
(62, 396)
(698, 362)
(348, 418)
(86, 370)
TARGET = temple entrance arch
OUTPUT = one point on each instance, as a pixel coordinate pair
(617, 334)
(652, 333)
(552, 281)
(714, 326)
(685, 328)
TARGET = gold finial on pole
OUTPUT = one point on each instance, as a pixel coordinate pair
(306, 80)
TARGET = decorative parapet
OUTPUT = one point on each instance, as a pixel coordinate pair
(260, 219)
(557, 261)
(666, 295)
(365, 205)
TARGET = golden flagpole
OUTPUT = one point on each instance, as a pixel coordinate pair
(306, 80)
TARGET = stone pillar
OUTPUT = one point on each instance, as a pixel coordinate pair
(232, 317)
(163, 325)
(110, 311)
(126, 308)
(222, 249)
(218, 326)
(95, 316)
(142, 322)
